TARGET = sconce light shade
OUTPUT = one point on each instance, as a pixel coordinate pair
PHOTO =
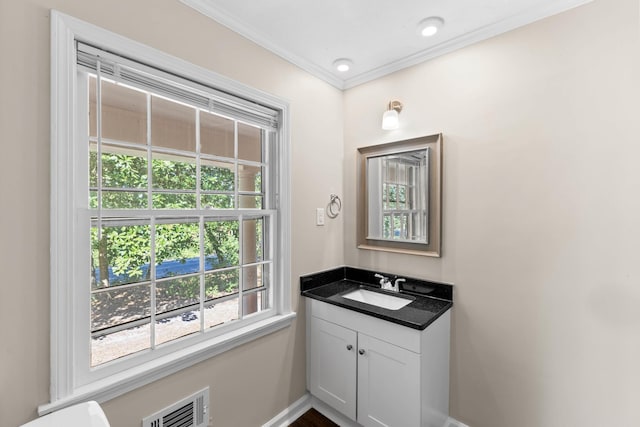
(390, 118)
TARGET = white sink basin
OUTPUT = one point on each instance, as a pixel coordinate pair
(380, 300)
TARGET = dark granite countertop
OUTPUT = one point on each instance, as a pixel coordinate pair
(429, 299)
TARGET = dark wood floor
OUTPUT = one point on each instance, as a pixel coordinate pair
(313, 418)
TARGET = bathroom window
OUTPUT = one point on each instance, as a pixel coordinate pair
(169, 216)
(180, 217)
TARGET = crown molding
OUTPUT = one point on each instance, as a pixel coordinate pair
(515, 21)
(465, 40)
(206, 8)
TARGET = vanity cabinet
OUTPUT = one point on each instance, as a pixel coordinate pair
(388, 384)
(376, 372)
(366, 379)
(332, 376)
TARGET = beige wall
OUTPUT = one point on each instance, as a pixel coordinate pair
(541, 211)
(250, 384)
(541, 214)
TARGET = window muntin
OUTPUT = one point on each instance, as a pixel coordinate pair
(179, 219)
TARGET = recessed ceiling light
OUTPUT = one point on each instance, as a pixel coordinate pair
(429, 26)
(342, 65)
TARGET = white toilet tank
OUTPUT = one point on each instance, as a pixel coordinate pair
(87, 414)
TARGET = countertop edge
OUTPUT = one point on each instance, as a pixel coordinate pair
(420, 327)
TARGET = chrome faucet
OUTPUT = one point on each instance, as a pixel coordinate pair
(396, 284)
(385, 283)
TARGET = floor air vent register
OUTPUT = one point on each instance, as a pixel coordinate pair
(188, 412)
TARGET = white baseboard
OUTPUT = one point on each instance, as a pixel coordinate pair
(292, 413)
(451, 422)
(306, 402)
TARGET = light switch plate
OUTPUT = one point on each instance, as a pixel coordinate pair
(319, 216)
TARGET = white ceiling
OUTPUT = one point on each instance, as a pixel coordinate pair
(379, 36)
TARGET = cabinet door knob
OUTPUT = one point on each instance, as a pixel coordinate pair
(361, 351)
(349, 347)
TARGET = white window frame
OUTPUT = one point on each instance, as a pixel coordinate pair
(71, 383)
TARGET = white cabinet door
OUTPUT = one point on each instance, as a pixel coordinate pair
(388, 384)
(333, 365)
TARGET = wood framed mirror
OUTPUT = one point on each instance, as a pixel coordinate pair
(399, 197)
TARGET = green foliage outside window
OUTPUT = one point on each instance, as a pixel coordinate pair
(126, 248)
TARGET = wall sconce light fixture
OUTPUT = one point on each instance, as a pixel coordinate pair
(390, 117)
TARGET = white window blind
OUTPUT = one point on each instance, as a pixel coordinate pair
(136, 74)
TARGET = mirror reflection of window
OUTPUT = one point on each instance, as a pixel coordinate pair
(397, 194)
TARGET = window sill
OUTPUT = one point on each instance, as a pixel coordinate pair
(131, 379)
